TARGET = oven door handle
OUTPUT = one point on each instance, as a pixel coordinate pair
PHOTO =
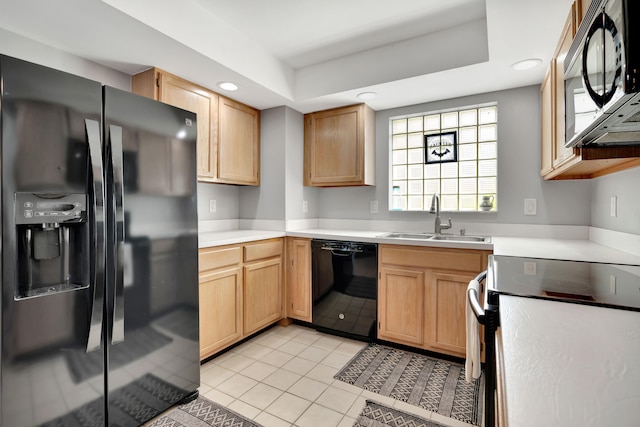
(473, 297)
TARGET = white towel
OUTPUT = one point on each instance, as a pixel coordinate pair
(472, 363)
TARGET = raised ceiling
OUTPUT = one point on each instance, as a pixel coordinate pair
(309, 55)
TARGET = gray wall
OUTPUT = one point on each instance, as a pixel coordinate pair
(226, 197)
(558, 202)
(29, 50)
(296, 192)
(623, 186)
(281, 193)
(268, 200)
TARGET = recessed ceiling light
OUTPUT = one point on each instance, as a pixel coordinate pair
(228, 86)
(526, 64)
(366, 95)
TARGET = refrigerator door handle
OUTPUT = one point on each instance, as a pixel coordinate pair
(115, 136)
(98, 236)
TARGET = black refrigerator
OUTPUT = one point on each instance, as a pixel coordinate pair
(99, 301)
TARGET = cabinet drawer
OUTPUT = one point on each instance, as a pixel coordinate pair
(265, 249)
(210, 259)
(443, 258)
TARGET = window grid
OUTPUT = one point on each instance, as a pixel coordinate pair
(463, 185)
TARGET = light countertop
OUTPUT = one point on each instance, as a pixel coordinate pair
(221, 238)
(569, 364)
(573, 250)
(579, 250)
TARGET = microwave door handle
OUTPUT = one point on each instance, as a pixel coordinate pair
(115, 137)
(96, 188)
(610, 88)
(596, 25)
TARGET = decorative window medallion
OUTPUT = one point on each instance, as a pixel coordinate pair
(441, 147)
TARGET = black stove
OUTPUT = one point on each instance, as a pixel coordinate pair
(599, 284)
(592, 283)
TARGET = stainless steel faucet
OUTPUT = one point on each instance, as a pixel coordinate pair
(435, 208)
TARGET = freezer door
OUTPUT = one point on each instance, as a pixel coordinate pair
(52, 360)
(152, 272)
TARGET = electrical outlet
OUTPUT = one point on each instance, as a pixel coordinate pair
(614, 206)
(305, 206)
(530, 267)
(612, 284)
(373, 206)
(530, 207)
(212, 205)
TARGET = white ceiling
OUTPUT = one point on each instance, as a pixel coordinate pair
(306, 54)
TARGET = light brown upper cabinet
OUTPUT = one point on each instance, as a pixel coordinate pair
(239, 143)
(228, 132)
(339, 147)
(557, 161)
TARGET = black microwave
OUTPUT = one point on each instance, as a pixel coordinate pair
(602, 77)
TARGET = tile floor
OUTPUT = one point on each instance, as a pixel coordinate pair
(284, 378)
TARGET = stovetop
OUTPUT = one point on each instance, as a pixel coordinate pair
(600, 284)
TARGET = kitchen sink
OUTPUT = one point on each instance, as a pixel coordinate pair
(461, 238)
(427, 236)
(395, 235)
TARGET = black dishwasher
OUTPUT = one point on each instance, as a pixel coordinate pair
(345, 288)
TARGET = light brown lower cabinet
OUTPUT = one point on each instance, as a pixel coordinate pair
(262, 294)
(401, 305)
(446, 303)
(220, 310)
(422, 295)
(241, 292)
(299, 279)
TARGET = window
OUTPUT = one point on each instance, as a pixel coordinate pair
(453, 153)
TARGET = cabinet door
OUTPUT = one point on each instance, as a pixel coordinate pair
(262, 294)
(562, 154)
(239, 143)
(334, 146)
(220, 310)
(299, 279)
(401, 305)
(180, 93)
(548, 120)
(446, 311)
(582, 6)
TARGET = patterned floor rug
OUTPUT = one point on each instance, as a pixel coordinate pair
(202, 413)
(433, 384)
(375, 414)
